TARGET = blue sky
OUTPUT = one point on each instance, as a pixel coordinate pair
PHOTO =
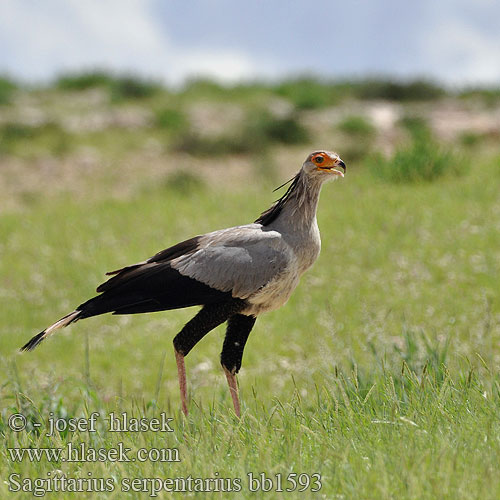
(454, 41)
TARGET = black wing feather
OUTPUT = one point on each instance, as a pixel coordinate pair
(130, 272)
(151, 287)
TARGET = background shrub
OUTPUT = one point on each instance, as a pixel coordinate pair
(423, 160)
(84, 80)
(19, 138)
(417, 126)
(393, 90)
(266, 128)
(261, 130)
(306, 93)
(7, 87)
(358, 126)
(119, 86)
(171, 119)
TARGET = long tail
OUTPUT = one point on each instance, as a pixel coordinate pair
(69, 318)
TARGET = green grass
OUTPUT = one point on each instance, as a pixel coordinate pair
(380, 374)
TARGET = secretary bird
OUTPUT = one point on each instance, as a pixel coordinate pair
(235, 274)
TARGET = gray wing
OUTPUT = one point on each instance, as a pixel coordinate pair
(241, 259)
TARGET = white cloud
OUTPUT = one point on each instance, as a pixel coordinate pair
(459, 53)
(44, 38)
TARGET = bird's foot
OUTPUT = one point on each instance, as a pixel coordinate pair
(181, 372)
(233, 389)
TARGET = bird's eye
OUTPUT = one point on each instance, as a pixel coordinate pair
(318, 159)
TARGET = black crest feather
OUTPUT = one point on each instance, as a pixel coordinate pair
(272, 213)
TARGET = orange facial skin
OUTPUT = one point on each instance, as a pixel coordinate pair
(324, 161)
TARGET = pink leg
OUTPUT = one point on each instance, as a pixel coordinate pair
(181, 373)
(233, 389)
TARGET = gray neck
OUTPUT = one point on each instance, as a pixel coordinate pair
(299, 211)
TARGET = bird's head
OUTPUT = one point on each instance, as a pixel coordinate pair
(324, 165)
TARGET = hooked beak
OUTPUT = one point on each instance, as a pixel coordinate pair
(335, 166)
